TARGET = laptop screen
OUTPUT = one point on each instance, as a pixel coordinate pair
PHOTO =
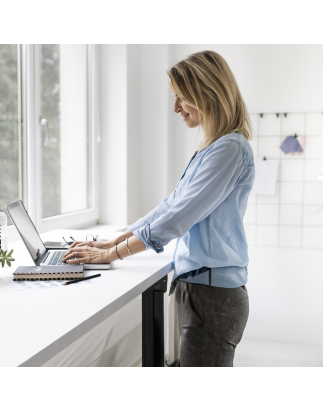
(26, 229)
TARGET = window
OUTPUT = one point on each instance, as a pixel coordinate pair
(10, 186)
(65, 171)
(47, 154)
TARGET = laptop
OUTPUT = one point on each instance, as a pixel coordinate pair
(41, 255)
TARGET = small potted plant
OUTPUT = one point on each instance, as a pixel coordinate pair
(5, 258)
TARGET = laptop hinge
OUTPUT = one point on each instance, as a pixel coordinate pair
(41, 259)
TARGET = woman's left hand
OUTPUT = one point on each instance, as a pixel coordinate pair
(87, 255)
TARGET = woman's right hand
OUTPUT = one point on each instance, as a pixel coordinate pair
(95, 244)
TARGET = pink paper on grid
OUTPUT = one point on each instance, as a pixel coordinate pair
(302, 142)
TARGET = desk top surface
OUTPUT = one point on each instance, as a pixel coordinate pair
(37, 324)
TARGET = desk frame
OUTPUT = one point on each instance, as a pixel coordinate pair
(153, 350)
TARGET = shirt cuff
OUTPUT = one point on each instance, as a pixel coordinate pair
(143, 234)
(139, 223)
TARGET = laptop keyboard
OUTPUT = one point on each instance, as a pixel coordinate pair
(56, 258)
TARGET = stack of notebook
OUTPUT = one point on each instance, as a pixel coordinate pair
(47, 272)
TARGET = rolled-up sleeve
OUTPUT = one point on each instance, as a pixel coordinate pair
(216, 177)
(154, 214)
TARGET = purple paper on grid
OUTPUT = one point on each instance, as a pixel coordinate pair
(291, 145)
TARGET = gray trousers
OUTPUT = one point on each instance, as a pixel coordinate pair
(211, 322)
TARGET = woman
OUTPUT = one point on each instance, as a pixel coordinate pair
(204, 213)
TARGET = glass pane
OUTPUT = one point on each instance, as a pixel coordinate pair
(9, 148)
(65, 155)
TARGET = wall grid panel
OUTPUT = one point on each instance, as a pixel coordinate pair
(293, 217)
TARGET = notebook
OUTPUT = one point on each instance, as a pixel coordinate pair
(47, 272)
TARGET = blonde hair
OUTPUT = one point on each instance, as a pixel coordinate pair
(206, 82)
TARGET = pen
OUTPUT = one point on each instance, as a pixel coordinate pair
(82, 279)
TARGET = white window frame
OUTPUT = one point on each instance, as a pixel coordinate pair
(31, 148)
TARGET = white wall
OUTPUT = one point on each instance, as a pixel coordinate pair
(134, 130)
(271, 77)
(73, 127)
(113, 119)
(134, 141)
(285, 295)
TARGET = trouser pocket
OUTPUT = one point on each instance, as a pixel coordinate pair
(187, 315)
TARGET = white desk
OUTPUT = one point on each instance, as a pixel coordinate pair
(35, 325)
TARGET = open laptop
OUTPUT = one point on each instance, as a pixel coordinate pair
(39, 253)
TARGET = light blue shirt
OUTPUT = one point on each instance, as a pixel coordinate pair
(205, 213)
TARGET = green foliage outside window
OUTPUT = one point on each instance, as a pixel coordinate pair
(9, 123)
(50, 109)
(9, 167)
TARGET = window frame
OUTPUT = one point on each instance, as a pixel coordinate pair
(30, 143)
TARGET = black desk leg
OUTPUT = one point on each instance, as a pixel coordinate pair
(153, 354)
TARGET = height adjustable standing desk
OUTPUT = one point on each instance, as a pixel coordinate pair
(38, 324)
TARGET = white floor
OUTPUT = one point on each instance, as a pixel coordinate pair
(253, 353)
